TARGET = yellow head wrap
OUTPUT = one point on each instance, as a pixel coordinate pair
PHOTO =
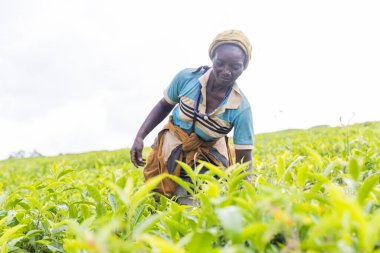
(232, 37)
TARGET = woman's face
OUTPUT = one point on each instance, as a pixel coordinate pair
(228, 64)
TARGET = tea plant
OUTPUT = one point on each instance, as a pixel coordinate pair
(311, 192)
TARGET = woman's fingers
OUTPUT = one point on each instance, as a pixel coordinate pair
(139, 157)
(141, 162)
(136, 157)
(136, 152)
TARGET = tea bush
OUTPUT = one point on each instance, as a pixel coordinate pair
(314, 190)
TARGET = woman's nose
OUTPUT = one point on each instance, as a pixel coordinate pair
(226, 71)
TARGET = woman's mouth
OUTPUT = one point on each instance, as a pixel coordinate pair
(224, 78)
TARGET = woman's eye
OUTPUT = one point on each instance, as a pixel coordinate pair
(236, 67)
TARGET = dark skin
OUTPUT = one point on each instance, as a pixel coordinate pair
(159, 112)
(228, 64)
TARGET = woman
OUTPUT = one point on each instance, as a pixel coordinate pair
(208, 104)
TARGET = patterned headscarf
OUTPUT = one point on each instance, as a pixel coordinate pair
(232, 37)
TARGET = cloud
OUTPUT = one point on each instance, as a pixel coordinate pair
(83, 75)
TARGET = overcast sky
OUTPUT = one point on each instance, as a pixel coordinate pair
(78, 76)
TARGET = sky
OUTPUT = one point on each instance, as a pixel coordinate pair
(78, 76)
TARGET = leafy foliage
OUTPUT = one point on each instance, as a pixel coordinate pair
(314, 190)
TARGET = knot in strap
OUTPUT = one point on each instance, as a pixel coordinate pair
(194, 143)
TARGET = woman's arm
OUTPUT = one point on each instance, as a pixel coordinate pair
(158, 114)
(245, 155)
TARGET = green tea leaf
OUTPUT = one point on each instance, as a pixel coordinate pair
(84, 211)
(64, 172)
(34, 232)
(280, 169)
(146, 224)
(148, 187)
(113, 202)
(54, 169)
(367, 186)
(94, 193)
(73, 211)
(10, 233)
(182, 183)
(299, 158)
(354, 168)
(188, 170)
(121, 181)
(100, 209)
(160, 244)
(232, 221)
(200, 242)
(215, 169)
(302, 175)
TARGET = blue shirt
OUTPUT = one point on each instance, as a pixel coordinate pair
(233, 113)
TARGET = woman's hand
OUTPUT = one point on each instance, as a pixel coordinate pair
(158, 113)
(136, 152)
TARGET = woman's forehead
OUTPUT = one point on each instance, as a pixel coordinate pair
(229, 50)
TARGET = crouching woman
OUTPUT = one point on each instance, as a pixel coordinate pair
(207, 104)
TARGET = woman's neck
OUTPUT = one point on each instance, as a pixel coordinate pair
(213, 86)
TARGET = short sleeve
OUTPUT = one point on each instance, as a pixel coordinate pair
(171, 93)
(243, 136)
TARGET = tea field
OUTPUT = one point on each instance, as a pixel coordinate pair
(314, 190)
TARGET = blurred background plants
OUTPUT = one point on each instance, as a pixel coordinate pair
(313, 190)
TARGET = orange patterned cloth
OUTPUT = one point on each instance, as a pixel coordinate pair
(232, 37)
(193, 149)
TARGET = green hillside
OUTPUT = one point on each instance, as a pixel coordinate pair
(314, 190)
